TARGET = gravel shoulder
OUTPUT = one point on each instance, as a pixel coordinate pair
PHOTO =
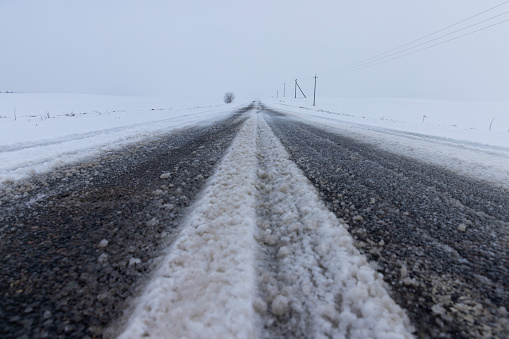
(440, 239)
(77, 242)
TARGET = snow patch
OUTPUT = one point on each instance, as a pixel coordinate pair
(455, 135)
(52, 130)
(321, 278)
(134, 261)
(165, 176)
(103, 243)
(205, 287)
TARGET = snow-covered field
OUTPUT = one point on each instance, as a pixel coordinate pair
(451, 134)
(39, 132)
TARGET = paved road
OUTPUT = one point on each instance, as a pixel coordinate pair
(441, 240)
(76, 242)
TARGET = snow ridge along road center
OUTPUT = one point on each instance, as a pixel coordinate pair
(260, 255)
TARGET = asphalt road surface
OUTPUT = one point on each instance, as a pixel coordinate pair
(440, 240)
(79, 243)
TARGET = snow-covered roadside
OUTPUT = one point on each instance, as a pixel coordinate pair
(207, 285)
(478, 153)
(477, 122)
(39, 132)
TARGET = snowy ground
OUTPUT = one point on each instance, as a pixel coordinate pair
(451, 134)
(39, 132)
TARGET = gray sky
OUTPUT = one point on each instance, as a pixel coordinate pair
(196, 48)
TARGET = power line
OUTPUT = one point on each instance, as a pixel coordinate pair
(413, 41)
(362, 64)
(377, 57)
(422, 49)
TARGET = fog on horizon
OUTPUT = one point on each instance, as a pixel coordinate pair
(197, 49)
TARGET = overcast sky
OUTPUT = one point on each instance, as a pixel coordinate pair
(190, 48)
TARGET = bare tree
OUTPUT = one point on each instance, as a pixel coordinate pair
(229, 97)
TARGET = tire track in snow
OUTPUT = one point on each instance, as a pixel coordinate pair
(260, 255)
(313, 282)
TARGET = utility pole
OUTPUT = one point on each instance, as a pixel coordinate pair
(300, 89)
(277, 93)
(284, 89)
(314, 94)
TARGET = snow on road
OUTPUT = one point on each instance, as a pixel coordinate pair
(320, 277)
(260, 253)
(470, 138)
(485, 123)
(40, 132)
(205, 286)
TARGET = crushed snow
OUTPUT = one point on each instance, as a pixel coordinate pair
(207, 285)
(318, 263)
(450, 134)
(40, 132)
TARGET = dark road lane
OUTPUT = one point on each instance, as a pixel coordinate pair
(439, 239)
(76, 242)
